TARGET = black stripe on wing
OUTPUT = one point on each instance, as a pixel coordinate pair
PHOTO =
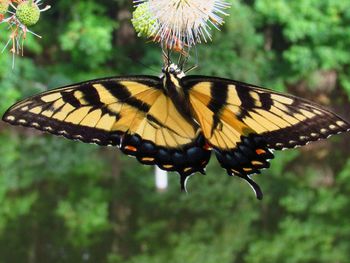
(53, 111)
(304, 132)
(217, 102)
(286, 121)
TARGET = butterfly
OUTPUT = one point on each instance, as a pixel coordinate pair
(176, 121)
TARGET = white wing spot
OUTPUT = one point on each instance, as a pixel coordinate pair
(304, 138)
(35, 124)
(62, 132)
(332, 127)
(314, 134)
(340, 123)
(292, 142)
(78, 137)
(22, 121)
(48, 128)
(96, 140)
(25, 108)
(10, 118)
(317, 112)
(324, 130)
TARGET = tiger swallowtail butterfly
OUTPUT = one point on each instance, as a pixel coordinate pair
(176, 121)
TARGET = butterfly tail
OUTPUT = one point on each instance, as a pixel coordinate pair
(248, 158)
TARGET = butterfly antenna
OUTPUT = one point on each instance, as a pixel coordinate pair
(196, 56)
(165, 55)
(184, 59)
(190, 68)
(179, 61)
(169, 54)
(195, 64)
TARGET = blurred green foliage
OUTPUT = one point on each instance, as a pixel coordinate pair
(63, 201)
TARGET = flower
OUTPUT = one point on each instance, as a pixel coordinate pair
(27, 13)
(185, 21)
(4, 5)
(143, 22)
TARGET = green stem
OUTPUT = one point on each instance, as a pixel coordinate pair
(30, 2)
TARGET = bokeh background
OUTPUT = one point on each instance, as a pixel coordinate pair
(65, 201)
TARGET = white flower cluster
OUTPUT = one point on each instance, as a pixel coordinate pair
(187, 21)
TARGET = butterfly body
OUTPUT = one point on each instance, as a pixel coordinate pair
(173, 87)
(176, 121)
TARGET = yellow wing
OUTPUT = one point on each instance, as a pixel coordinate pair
(132, 113)
(243, 122)
(284, 121)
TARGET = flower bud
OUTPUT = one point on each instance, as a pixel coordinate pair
(143, 22)
(4, 5)
(28, 13)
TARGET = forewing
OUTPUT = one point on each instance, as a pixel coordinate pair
(131, 112)
(285, 121)
(86, 111)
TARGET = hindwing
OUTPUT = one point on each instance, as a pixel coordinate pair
(132, 113)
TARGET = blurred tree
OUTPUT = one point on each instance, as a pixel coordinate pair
(63, 201)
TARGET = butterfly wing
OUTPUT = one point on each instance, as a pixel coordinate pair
(131, 112)
(244, 123)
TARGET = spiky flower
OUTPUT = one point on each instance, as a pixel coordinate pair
(187, 21)
(4, 6)
(28, 13)
(143, 21)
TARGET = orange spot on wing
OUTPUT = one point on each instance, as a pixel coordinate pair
(187, 169)
(260, 151)
(207, 147)
(256, 163)
(235, 171)
(148, 159)
(130, 148)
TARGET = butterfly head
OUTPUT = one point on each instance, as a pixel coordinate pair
(174, 70)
